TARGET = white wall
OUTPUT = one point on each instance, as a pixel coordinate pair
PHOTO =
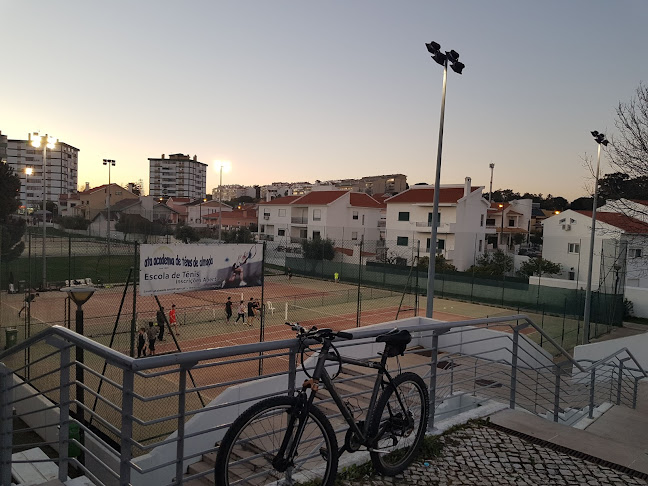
(637, 345)
(639, 298)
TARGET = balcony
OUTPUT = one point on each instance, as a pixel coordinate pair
(382, 223)
(426, 227)
(299, 219)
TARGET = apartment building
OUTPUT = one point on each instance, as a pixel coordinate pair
(461, 230)
(61, 170)
(94, 200)
(380, 184)
(234, 191)
(178, 175)
(342, 216)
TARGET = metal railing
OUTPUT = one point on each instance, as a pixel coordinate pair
(147, 421)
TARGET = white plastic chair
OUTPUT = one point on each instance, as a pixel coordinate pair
(88, 281)
(270, 307)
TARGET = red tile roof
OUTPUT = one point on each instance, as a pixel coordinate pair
(360, 199)
(320, 198)
(426, 195)
(621, 221)
(281, 200)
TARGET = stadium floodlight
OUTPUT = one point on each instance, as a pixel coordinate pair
(442, 58)
(600, 139)
(36, 140)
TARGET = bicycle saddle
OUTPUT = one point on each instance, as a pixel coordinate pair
(395, 341)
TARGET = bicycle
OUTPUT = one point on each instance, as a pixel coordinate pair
(288, 439)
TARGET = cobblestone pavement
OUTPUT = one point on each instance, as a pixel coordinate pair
(479, 455)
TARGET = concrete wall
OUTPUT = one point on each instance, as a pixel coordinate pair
(639, 298)
(637, 345)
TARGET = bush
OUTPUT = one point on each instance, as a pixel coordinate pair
(74, 222)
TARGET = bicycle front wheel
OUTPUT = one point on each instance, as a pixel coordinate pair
(248, 452)
(398, 423)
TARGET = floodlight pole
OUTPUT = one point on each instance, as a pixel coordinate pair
(435, 206)
(220, 203)
(588, 290)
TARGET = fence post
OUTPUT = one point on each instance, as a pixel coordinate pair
(182, 395)
(620, 382)
(64, 414)
(126, 453)
(557, 394)
(634, 393)
(516, 336)
(6, 425)
(592, 387)
(434, 352)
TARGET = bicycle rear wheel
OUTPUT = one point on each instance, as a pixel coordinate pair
(247, 452)
(399, 429)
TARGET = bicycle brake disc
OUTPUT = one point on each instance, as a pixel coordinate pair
(351, 440)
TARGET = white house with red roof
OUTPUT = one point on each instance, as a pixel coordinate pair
(620, 246)
(342, 216)
(506, 220)
(461, 232)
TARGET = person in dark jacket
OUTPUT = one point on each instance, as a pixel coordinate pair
(160, 322)
(228, 308)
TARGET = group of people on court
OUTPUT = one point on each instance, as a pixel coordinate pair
(146, 338)
(252, 308)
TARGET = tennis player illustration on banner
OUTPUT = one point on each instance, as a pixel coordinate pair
(166, 269)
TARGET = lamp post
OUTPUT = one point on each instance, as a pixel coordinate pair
(80, 295)
(501, 207)
(490, 192)
(600, 140)
(46, 142)
(28, 171)
(221, 164)
(109, 163)
(442, 59)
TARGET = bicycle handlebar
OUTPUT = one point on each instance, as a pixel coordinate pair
(316, 333)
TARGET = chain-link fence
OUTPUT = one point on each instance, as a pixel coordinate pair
(354, 285)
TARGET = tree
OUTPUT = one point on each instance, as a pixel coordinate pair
(582, 203)
(505, 195)
(12, 228)
(318, 249)
(238, 235)
(539, 266)
(495, 264)
(186, 234)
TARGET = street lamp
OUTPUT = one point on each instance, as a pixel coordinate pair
(222, 165)
(442, 59)
(80, 295)
(46, 142)
(109, 163)
(600, 140)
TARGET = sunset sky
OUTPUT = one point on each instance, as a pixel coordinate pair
(305, 90)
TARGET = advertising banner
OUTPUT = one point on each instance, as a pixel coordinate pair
(168, 269)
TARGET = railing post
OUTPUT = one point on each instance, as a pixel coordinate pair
(516, 336)
(557, 394)
(64, 414)
(126, 452)
(6, 425)
(182, 385)
(619, 382)
(634, 393)
(292, 370)
(592, 387)
(433, 377)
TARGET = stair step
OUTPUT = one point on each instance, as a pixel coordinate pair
(199, 467)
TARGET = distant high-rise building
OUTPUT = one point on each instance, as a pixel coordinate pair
(61, 170)
(177, 176)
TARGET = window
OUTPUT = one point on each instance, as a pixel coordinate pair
(427, 245)
(572, 275)
(403, 216)
(354, 235)
(561, 221)
(282, 212)
(511, 222)
(438, 219)
(266, 215)
(573, 248)
(355, 215)
(480, 245)
(402, 240)
(490, 221)
(634, 252)
(263, 228)
(317, 235)
(281, 232)
(481, 220)
(317, 214)
(363, 219)
(440, 244)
